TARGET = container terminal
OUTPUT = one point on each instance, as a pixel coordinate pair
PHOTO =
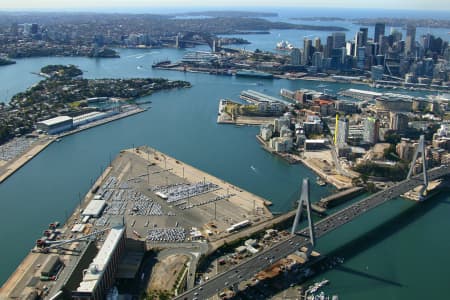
(144, 200)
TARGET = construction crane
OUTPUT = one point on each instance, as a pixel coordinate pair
(47, 245)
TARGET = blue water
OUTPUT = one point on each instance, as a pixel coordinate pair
(394, 262)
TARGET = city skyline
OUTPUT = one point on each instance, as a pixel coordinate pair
(178, 4)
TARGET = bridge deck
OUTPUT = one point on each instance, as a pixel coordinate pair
(263, 260)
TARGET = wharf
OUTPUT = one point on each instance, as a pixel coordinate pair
(119, 116)
(15, 164)
(10, 167)
(132, 180)
(340, 197)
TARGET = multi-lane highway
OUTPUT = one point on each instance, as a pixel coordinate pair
(262, 260)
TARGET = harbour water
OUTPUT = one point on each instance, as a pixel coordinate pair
(404, 260)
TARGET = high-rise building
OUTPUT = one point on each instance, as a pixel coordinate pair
(377, 72)
(317, 44)
(341, 131)
(379, 31)
(337, 58)
(307, 51)
(34, 28)
(349, 48)
(338, 39)
(398, 121)
(296, 56)
(317, 59)
(410, 41)
(371, 130)
(383, 47)
(405, 149)
(396, 35)
(358, 42)
(361, 57)
(364, 35)
(328, 47)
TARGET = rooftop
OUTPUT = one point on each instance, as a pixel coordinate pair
(56, 120)
(100, 262)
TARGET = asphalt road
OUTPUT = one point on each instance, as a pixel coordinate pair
(263, 260)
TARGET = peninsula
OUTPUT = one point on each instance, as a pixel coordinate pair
(64, 91)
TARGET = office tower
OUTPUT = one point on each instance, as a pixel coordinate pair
(410, 41)
(317, 44)
(296, 56)
(341, 131)
(337, 58)
(398, 121)
(396, 35)
(383, 47)
(358, 42)
(338, 39)
(317, 59)
(361, 57)
(364, 35)
(371, 130)
(328, 47)
(377, 73)
(379, 31)
(349, 48)
(307, 51)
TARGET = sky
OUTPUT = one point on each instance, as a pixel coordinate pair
(86, 4)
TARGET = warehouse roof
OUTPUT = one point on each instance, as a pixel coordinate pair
(94, 208)
(56, 120)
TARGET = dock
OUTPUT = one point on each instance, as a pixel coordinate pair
(160, 200)
(10, 167)
(338, 198)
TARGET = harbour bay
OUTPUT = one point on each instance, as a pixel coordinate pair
(183, 124)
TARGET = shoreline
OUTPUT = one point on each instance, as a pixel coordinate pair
(18, 162)
(12, 287)
(339, 186)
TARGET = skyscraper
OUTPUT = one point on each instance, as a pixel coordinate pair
(296, 56)
(328, 47)
(317, 44)
(307, 51)
(410, 41)
(338, 39)
(371, 130)
(364, 35)
(341, 132)
(379, 31)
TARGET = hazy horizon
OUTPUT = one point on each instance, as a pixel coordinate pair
(86, 5)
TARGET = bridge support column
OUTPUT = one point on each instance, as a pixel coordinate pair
(304, 200)
(420, 149)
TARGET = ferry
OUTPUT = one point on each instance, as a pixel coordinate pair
(252, 73)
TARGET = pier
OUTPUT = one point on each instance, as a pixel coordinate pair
(338, 198)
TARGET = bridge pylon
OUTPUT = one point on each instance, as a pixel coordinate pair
(420, 149)
(304, 201)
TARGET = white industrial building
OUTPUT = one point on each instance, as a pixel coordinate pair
(55, 125)
(94, 208)
(99, 277)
